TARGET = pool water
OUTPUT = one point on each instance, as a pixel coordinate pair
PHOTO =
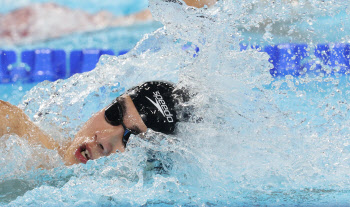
(260, 140)
(92, 6)
(118, 38)
(115, 39)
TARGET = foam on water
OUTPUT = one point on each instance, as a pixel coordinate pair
(258, 141)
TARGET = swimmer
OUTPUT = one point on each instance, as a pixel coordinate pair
(50, 20)
(42, 21)
(196, 3)
(151, 105)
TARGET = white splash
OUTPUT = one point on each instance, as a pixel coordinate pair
(258, 141)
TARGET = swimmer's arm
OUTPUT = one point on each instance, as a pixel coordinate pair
(14, 121)
(200, 3)
(104, 18)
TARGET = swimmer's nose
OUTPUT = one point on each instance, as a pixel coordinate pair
(103, 145)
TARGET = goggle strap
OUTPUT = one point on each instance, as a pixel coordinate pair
(126, 135)
(126, 131)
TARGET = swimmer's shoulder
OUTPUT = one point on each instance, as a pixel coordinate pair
(5, 104)
(6, 107)
(12, 119)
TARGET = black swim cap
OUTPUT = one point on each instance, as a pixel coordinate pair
(155, 103)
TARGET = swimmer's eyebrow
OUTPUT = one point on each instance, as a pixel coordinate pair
(136, 129)
(122, 102)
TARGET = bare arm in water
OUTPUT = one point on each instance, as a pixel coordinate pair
(14, 121)
(200, 3)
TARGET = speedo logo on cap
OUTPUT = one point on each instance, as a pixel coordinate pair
(161, 106)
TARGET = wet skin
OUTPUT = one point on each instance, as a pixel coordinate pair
(95, 139)
(98, 138)
(200, 3)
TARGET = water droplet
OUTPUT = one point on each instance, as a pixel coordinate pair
(309, 21)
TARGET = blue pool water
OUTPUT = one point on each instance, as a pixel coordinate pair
(115, 39)
(262, 141)
(92, 6)
(118, 38)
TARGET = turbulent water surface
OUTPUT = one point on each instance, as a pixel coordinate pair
(260, 140)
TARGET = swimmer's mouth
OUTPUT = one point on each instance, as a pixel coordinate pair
(83, 154)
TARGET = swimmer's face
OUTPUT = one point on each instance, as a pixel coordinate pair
(98, 138)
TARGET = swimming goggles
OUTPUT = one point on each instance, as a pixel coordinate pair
(114, 116)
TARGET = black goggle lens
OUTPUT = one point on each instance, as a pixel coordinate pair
(114, 114)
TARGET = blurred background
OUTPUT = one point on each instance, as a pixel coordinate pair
(50, 40)
(117, 7)
(118, 37)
